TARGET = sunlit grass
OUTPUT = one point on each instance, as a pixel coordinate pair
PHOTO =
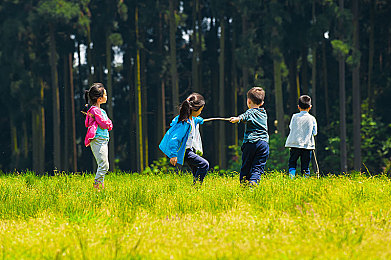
(165, 216)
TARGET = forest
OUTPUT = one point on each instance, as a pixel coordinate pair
(151, 55)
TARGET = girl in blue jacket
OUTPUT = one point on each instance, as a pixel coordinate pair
(182, 143)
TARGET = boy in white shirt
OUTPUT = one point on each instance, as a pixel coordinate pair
(303, 128)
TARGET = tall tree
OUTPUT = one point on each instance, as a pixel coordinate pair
(356, 88)
(173, 55)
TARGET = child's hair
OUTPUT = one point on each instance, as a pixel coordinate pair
(96, 91)
(256, 95)
(304, 101)
(192, 103)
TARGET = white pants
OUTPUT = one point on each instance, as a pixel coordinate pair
(100, 149)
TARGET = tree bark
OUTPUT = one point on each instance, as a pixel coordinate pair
(73, 120)
(371, 51)
(110, 109)
(222, 145)
(278, 93)
(356, 91)
(342, 103)
(55, 99)
(139, 131)
(173, 65)
(325, 82)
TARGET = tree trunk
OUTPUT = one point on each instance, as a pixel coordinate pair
(139, 131)
(304, 72)
(245, 70)
(109, 86)
(292, 67)
(144, 95)
(195, 56)
(314, 64)
(325, 84)
(173, 65)
(161, 117)
(15, 151)
(222, 145)
(235, 85)
(55, 99)
(278, 93)
(73, 120)
(89, 57)
(356, 91)
(342, 104)
(66, 98)
(371, 51)
(42, 132)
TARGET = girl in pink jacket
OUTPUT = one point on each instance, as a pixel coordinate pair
(98, 125)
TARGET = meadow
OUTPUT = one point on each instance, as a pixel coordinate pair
(164, 216)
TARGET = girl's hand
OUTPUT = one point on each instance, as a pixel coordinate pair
(174, 160)
(234, 119)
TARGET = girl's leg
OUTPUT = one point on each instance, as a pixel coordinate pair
(99, 147)
(199, 165)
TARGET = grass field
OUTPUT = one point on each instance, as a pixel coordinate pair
(165, 217)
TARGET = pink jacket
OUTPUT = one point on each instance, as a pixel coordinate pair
(92, 123)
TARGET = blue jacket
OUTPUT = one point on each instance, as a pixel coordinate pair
(174, 141)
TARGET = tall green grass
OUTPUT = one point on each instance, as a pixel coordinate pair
(164, 216)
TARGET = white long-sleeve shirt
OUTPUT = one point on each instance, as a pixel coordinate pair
(303, 128)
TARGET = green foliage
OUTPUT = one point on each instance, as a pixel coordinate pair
(279, 155)
(375, 140)
(58, 10)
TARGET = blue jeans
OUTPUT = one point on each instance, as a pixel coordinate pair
(199, 166)
(305, 158)
(254, 157)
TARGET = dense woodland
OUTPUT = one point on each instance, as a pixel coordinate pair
(151, 54)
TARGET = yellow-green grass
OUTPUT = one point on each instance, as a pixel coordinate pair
(165, 216)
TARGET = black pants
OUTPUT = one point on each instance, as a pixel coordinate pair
(199, 166)
(305, 158)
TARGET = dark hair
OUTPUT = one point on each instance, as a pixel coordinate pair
(304, 101)
(192, 103)
(256, 95)
(96, 91)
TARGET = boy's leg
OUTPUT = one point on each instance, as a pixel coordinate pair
(305, 162)
(99, 147)
(248, 152)
(259, 161)
(198, 165)
(294, 155)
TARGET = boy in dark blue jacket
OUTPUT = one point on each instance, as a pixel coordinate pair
(255, 148)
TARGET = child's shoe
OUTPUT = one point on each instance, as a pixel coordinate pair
(292, 173)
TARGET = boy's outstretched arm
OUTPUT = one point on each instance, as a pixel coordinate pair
(234, 119)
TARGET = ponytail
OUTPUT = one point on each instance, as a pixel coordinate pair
(86, 94)
(184, 111)
(192, 103)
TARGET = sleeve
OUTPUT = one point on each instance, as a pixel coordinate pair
(199, 120)
(315, 128)
(291, 123)
(102, 122)
(244, 116)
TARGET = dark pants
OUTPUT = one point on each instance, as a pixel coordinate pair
(199, 166)
(305, 158)
(254, 156)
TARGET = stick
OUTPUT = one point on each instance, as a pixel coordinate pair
(317, 165)
(216, 118)
(89, 114)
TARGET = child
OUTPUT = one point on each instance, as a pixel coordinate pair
(255, 148)
(98, 125)
(180, 141)
(300, 140)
